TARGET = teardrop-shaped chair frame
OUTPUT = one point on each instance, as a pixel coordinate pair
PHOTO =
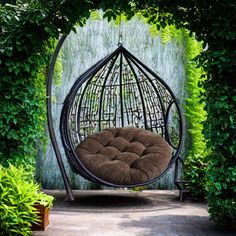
(75, 163)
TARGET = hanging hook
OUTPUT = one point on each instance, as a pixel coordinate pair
(120, 38)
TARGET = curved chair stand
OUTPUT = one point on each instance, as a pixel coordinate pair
(49, 119)
(117, 91)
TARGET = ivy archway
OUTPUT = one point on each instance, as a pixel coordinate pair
(27, 32)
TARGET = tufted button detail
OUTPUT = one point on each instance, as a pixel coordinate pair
(118, 142)
(135, 147)
(125, 156)
(110, 152)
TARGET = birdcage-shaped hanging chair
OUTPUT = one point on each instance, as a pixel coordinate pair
(120, 124)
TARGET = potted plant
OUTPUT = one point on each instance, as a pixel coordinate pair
(43, 206)
(18, 195)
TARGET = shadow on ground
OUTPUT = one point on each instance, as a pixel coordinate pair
(108, 201)
(115, 202)
(182, 225)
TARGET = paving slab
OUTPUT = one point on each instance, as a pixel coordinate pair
(129, 213)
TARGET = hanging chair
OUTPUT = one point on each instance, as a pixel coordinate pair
(121, 125)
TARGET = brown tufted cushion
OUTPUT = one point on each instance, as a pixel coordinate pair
(125, 156)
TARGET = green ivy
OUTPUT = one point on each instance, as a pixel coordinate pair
(22, 85)
(221, 131)
(195, 163)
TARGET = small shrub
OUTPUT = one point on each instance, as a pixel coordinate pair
(18, 193)
(45, 200)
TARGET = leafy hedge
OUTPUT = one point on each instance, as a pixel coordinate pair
(221, 131)
(27, 26)
(24, 54)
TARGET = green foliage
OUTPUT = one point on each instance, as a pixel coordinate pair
(18, 194)
(195, 172)
(221, 190)
(27, 26)
(221, 133)
(22, 85)
(170, 32)
(220, 90)
(195, 163)
(139, 189)
(95, 15)
(45, 200)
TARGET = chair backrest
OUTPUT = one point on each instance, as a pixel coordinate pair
(120, 91)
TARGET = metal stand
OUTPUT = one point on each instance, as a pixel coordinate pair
(181, 185)
(70, 195)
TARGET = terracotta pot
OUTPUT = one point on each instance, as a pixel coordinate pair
(43, 213)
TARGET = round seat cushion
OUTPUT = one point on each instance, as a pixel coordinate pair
(125, 156)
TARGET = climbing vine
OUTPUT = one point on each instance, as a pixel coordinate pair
(195, 163)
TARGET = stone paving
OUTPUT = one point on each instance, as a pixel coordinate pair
(128, 213)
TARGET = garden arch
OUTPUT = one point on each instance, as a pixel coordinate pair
(212, 21)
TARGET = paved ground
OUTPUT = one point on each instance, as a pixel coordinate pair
(127, 213)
